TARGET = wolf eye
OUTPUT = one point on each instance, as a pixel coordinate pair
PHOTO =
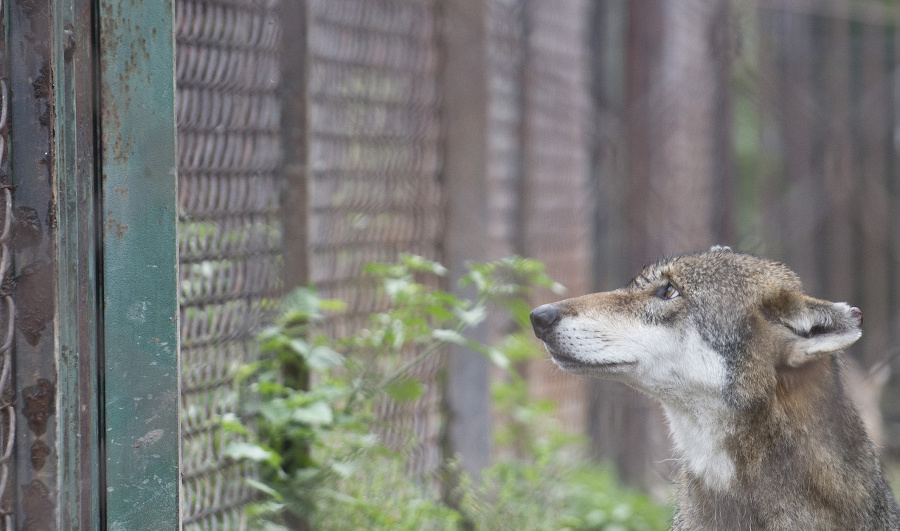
(667, 292)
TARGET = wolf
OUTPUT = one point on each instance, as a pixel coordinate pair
(747, 368)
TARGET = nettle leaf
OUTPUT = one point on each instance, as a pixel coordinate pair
(322, 357)
(521, 346)
(302, 302)
(231, 423)
(299, 346)
(270, 387)
(274, 340)
(268, 333)
(498, 358)
(473, 316)
(265, 509)
(275, 411)
(262, 487)
(477, 278)
(345, 468)
(240, 451)
(272, 526)
(243, 372)
(316, 414)
(419, 263)
(439, 313)
(332, 305)
(449, 336)
(405, 389)
(378, 269)
(395, 286)
(519, 310)
(398, 334)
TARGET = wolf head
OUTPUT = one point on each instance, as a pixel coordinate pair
(717, 324)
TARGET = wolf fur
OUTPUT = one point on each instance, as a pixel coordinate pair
(747, 369)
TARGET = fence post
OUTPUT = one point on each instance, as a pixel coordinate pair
(139, 299)
(295, 127)
(464, 108)
(77, 311)
(33, 482)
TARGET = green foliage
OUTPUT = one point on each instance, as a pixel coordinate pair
(550, 492)
(310, 398)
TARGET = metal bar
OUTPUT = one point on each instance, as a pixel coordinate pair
(7, 381)
(75, 248)
(34, 482)
(139, 208)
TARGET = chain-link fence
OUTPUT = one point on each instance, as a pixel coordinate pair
(373, 164)
(230, 231)
(370, 159)
(553, 199)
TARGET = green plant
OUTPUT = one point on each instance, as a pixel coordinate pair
(311, 398)
(298, 426)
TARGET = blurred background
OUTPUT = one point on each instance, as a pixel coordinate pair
(595, 136)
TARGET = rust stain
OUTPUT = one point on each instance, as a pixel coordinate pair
(32, 8)
(43, 90)
(39, 510)
(39, 453)
(43, 84)
(51, 214)
(120, 190)
(35, 308)
(118, 227)
(39, 405)
(27, 228)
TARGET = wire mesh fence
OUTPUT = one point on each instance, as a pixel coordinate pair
(818, 190)
(374, 158)
(506, 52)
(554, 201)
(228, 70)
(372, 169)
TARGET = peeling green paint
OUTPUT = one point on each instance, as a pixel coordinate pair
(140, 264)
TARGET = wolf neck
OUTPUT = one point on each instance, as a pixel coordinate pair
(700, 437)
(807, 420)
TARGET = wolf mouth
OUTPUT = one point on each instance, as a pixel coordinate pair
(569, 361)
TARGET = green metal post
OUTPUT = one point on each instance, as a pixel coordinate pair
(140, 278)
(75, 236)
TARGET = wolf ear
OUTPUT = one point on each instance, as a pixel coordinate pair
(818, 327)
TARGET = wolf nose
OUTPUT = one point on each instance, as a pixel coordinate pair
(543, 318)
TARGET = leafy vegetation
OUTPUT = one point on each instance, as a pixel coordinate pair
(311, 399)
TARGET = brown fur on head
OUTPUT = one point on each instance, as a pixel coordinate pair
(744, 364)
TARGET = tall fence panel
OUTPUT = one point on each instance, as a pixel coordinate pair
(506, 52)
(555, 210)
(230, 240)
(373, 164)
